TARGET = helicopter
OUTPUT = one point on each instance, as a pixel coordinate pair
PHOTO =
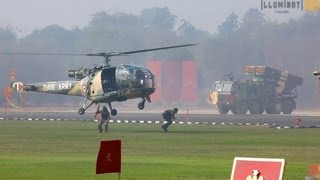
(101, 84)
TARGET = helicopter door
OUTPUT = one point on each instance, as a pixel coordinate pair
(108, 80)
(140, 78)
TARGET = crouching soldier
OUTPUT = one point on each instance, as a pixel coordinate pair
(168, 115)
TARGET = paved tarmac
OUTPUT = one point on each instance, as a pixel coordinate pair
(278, 121)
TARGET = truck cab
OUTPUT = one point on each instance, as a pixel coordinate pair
(222, 95)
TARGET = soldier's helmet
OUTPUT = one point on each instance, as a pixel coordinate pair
(175, 110)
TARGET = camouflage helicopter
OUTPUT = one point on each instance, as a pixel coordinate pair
(101, 84)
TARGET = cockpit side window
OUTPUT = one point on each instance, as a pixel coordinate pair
(140, 76)
(108, 78)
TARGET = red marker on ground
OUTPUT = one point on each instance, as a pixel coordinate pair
(298, 121)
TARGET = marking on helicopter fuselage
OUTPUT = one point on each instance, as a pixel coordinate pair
(49, 87)
(64, 86)
(84, 88)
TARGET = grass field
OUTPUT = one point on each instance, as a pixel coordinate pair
(68, 150)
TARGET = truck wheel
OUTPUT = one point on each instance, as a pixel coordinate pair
(274, 109)
(223, 110)
(234, 110)
(242, 108)
(256, 107)
(288, 106)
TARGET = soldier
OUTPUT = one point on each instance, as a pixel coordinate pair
(105, 117)
(168, 115)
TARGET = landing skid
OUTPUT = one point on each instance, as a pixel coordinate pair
(142, 103)
(82, 110)
(114, 112)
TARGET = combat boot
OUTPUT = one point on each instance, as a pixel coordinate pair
(164, 128)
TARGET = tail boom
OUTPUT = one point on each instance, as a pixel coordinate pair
(55, 87)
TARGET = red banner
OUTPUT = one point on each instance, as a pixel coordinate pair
(171, 90)
(109, 157)
(155, 67)
(189, 81)
(257, 169)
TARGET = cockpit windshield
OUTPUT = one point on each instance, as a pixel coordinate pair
(140, 76)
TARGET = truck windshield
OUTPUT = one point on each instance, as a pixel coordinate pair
(227, 87)
(217, 86)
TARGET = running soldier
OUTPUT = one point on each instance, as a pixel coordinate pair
(168, 115)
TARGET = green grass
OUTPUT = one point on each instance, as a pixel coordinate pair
(68, 150)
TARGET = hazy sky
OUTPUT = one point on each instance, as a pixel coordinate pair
(28, 15)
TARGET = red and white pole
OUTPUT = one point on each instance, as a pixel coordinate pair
(187, 116)
(297, 121)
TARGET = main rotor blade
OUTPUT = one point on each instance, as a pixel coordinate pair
(42, 54)
(103, 54)
(154, 49)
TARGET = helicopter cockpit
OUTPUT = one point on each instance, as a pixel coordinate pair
(136, 76)
(126, 76)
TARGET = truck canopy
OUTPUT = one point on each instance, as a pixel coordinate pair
(284, 81)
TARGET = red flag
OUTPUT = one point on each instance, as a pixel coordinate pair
(109, 157)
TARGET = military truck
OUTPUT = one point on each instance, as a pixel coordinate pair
(266, 90)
